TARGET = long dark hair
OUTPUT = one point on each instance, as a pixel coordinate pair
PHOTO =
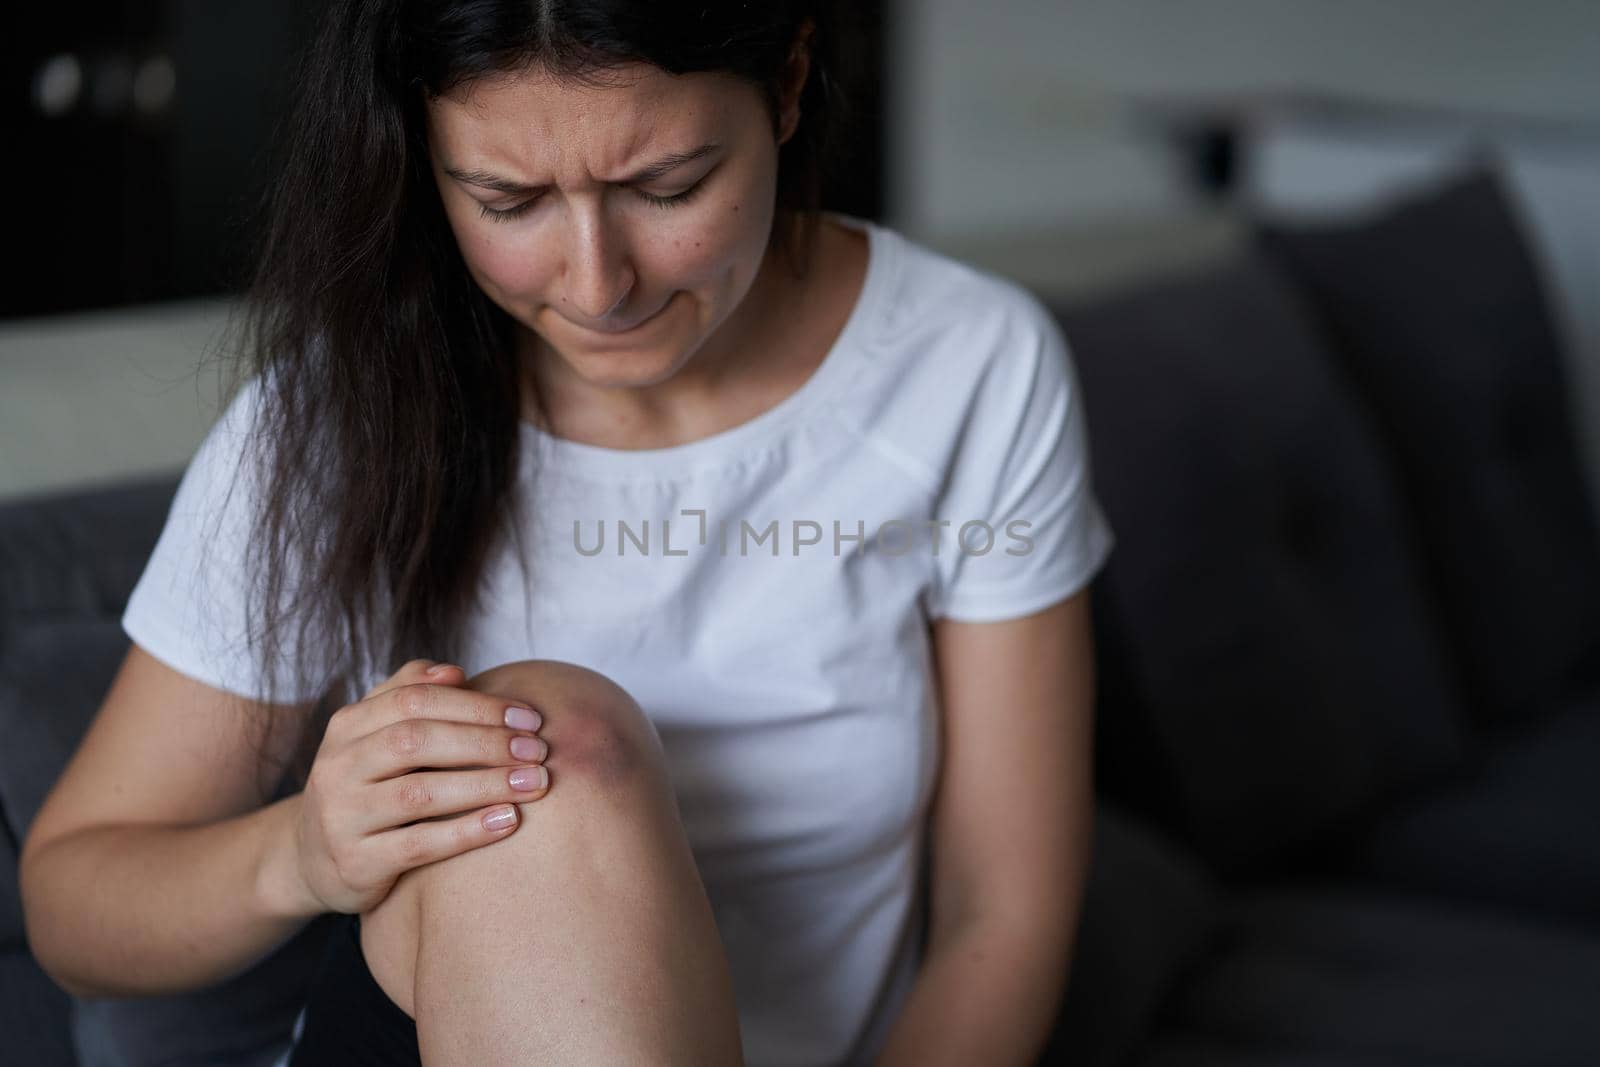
(389, 384)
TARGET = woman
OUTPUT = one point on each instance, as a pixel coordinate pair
(773, 525)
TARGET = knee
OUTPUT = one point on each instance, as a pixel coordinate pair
(595, 729)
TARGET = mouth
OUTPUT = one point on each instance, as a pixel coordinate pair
(652, 317)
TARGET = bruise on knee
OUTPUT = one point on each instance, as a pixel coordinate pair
(595, 749)
(595, 729)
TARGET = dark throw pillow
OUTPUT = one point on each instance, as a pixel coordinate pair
(1436, 312)
(1269, 668)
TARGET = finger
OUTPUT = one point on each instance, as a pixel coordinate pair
(434, 795)
(429, 842)
(412, 744)
(426, 700)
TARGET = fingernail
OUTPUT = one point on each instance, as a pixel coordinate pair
(529, 749)
(439, 668)
(529, 779)
(521, 718)
(500, 818)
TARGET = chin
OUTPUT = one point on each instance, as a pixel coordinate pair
(633, 367)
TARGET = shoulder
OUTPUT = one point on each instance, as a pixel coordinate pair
(233, 448)
(956, 349)
(221, 491)
(963, 311)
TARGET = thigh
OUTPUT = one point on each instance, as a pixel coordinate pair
(387, 938)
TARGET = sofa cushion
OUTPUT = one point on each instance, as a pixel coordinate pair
(33, 1014)
(53, 675)
(11, 931)
(1438, 317)
(1269, 669)
(1517, 834)
(79, 552)
(1332, 976)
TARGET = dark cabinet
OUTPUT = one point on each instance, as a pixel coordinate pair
(131, 131)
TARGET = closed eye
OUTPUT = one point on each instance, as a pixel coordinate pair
(510, 213)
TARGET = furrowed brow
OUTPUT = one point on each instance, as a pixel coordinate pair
(485, 180)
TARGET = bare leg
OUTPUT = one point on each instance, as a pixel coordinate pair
(583, 937)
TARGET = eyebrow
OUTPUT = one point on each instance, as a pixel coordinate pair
(486, 180)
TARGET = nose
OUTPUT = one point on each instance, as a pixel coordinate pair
(598, 278)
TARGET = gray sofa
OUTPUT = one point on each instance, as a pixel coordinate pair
(1349, 665)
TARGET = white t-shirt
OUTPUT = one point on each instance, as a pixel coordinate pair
(765, 594)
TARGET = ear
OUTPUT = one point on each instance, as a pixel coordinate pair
(797, 69)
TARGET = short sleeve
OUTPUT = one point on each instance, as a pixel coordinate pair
(1025, 530)
(188, 608)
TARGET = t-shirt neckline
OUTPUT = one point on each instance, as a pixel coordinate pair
(577, 457)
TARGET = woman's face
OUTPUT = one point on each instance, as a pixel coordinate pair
(633, 221)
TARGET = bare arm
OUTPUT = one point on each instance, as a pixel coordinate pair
(140, 910)
(155, 865)
(1012, 825)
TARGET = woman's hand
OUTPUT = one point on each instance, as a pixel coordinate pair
(374, 806)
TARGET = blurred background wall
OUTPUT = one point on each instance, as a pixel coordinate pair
(1076, 145)
(1012, 114)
